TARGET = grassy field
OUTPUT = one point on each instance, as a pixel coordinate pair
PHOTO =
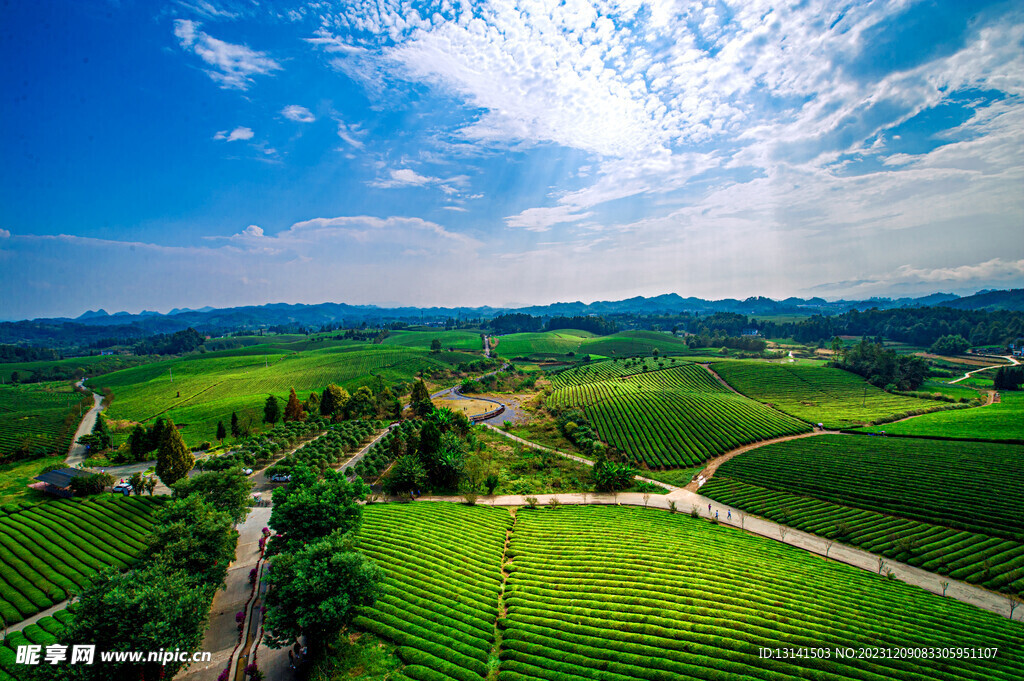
(818, 394)
(48, 551)
(458, 340)
(37, 418)
(673, 417)
(199, 390)
(556, 345)
(1003, 420)
(617, 593)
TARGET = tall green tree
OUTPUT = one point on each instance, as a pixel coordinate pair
(271, 410)
(221, 431)
(235, 428)
(156, 433)
(194, 537)
(173, 458)
(293, 410)
(363, 404)
(138, 443)
(309, 509)
(315, 591)
(147, 608)
(435, 345)
(103, 439)
(334, 400)
(229, 491)
(420, 399)
(407, 475)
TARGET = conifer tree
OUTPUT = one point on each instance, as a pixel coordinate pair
(173, 458)
(293, 410)
(221, 431)
(271, 410)
(235, 429)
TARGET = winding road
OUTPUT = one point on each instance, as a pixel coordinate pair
(1013, 362)
(76, 452)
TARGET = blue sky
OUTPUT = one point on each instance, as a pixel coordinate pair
(192, 153)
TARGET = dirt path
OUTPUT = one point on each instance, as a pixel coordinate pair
(712, 464)
(1013, 362)
(721, 380)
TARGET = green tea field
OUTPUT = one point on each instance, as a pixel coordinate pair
(952, 508)
(818, 394)
(50, 550)
(43, 633)
(37, 418)
(558, 344)
(676, 416)
(199, 390)
(1003, 420)
(617, 593)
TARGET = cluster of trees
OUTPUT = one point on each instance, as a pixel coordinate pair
(143, 441)
(747, 343)
(100, 438)
(432, 455)
(596, 325)
(317, 576)
(335, 403)
(177, 343)
(952, 344)
(1008, 378)
(373, 335)
(18, 353)
(881, 367)
(609, 472)
(516, 322)
(163, 602)
(917, 326)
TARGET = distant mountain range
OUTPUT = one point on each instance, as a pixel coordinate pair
(327, 313)
(96, 324)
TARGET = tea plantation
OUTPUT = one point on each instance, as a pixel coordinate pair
(617, 593)
(50, 550)
(667, 413)
(1003, 420)
(951, 508)
(818, 394)
(37, 418)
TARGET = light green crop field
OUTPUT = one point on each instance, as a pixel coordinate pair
(458, 340)
(818, 394)
(619, 593)
(542, 343)
(1003, 420)
(558, 344)
(35, 417)
(678, 416)
(198, 390)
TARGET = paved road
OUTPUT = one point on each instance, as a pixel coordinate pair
(76, 452)
(686, 500)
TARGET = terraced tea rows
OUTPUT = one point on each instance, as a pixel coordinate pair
(970, 486)
(1003, 420)
(611, 594)
(988, 561)
(818, 394)
(679, 416)
(42, 633)
(35, 418)
(603, 371)
(443, 567)
(49, 550)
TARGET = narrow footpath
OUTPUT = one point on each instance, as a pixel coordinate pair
(76, 452)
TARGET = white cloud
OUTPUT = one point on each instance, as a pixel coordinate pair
(299, 114)
(4, 233)
(231, 66)
(239, 133)
(542, 219)
(351, 133)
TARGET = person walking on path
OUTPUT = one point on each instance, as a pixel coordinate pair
(709, 509)
(729, 515)
(716, 515)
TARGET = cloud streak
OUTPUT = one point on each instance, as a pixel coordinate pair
(230, 66)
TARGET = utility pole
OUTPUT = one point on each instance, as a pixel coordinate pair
(171, 372)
